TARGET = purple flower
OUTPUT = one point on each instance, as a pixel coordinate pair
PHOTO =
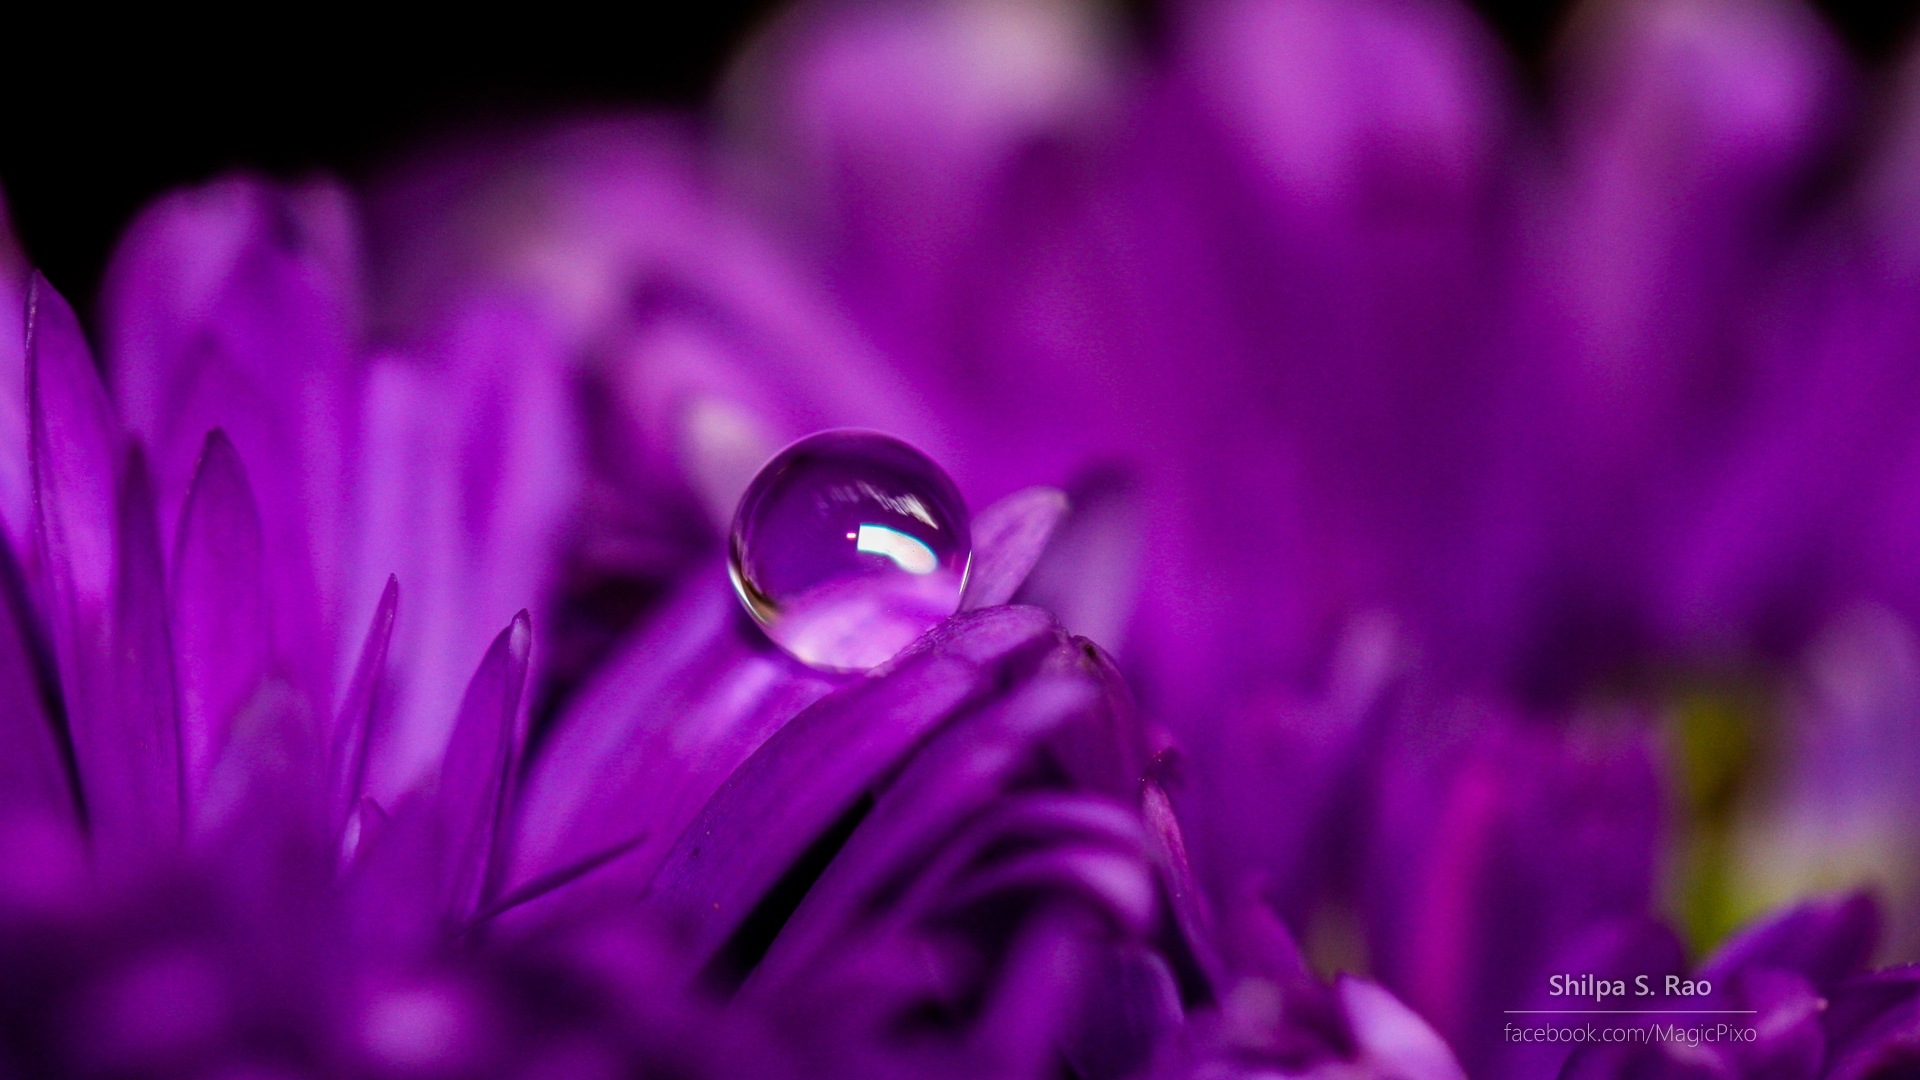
(1427, 547)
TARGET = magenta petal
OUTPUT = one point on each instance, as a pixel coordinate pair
(76, 453)
(16, 470)
(1185, 904)
(707, 335)
(466, 478)
(894, 134)
(479, 767)
(988, 638)
(263, 787)
(232, 306)
(1492, 850)
(126, 725)
(1094, 854)
(1017, 1036)
(963, 770)
(1089, 573)
(645, 743)
(33, 769)
(408, 517)
(1046, 844)
(400, 875)
(816, 769)
(1128, 1007)
(547, 884)
(1047, 848)
(1391, 1037)
(220, 618)
(1620, 950)
(352, 730)
(1825, 940)
(1874, 1025)
(361, 830)
(1008, 540)
(1649, 273)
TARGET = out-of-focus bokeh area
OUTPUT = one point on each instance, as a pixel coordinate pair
(111, 130)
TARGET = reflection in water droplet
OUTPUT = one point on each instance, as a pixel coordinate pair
(847, 546)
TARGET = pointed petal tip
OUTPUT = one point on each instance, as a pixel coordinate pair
(1008, 539)
(48, 312)
(217, 447)
(38, 290)
(220, 467)
(37, 286)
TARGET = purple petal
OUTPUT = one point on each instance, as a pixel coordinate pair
(1823, 941)
(1391, 1037)
(964, 209)
(1623, 950)
(476, 778)
(77, 452)
(1105, 870)
(365, 821)
(1018, 1033)
(716, 349)
(962, 771)
(467, 473)
(888, 133)
(1008, 539)
(649, 739)
(814, 770)
(233, 306)
(126, 722)
(353, 729)
(398, 890)
(1088, 574)
(1276, 773)
(1185, 902)
(34, 775)
(16, 468)
(1349, 206)
(1873, 1025)
(543, 885)
(908, 116)
(1689, 130)
(264, 785)
(1129, 1008)
(1816, 477)
(411, 532)
(1491, 855)
(220, 618)
(1787, 1013)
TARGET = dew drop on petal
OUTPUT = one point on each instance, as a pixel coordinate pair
(847, 546)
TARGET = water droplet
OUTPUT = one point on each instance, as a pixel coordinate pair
(847, 546)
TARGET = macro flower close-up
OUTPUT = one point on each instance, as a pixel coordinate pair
(1184, 540)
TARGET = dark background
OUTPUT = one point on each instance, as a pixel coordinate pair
(86, 138)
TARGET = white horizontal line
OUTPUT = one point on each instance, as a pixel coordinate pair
(1633, 1012)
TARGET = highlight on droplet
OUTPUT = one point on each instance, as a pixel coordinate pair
(907, 552)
